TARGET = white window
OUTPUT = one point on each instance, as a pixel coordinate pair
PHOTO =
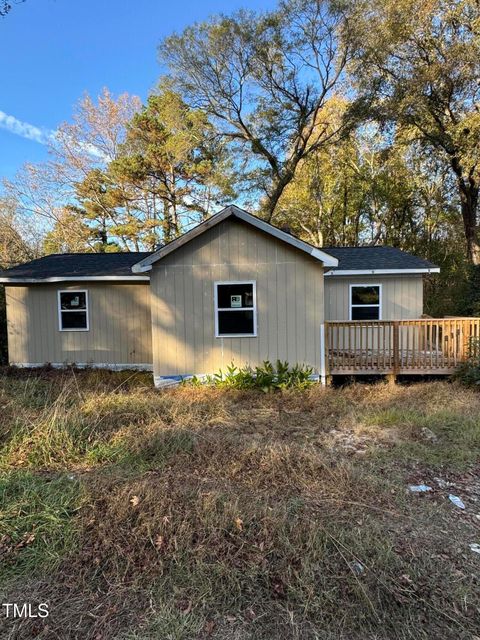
(235, 309)
(365, 302)
(73, 310)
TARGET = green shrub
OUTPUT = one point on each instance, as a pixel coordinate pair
(267, 377)
(468, 372)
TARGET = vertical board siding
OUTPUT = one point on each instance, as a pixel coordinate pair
(402, 296)
(119, 320)
(289, 302)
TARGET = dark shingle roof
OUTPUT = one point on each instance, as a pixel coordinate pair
(71, 265)
(369, 258)
(84, 265)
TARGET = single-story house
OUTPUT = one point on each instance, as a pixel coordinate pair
(232, 289)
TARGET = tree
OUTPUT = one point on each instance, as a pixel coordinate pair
(70, 234)
(418, 66)
(325, 201)
(172, 167)
(6, 7)
(79, 151)
(94, 137)
(369, 189)
(97, 200)
(17, 243)
(265, 81)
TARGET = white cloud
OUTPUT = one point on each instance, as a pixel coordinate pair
(24, 129)
(41, 135)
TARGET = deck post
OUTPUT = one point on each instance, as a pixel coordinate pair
(323, 356)
(396, 352)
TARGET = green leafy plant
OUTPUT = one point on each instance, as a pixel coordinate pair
(267, 377)
(468, 372)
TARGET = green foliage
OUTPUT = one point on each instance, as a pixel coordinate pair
(267, 377)
(472, 293)
(468, 372)
(172, 163)
(418, 66)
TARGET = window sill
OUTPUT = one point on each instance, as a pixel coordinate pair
(237, 335)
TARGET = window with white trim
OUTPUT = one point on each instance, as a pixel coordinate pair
(73, 310)
(235, 309)
(365, 302)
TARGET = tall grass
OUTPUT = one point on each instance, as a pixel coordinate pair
(36, 522)
(206, 512)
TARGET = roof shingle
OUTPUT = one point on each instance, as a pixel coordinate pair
(84, 265)
(71, 265)
(373, 258)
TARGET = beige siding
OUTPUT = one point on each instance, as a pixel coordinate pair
(289, 302)
(402, 296)
(119, 334)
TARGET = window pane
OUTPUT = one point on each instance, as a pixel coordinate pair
(74, 320)
(231, 296)
(73, 300)
(235, 322)
(365, 295)
(365, 313)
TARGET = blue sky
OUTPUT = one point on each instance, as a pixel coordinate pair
(52, 51)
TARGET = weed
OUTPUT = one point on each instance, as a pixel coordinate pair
(468, 373)
(267, 377)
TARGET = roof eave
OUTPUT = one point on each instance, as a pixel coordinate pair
(24, 280)
(379, 272)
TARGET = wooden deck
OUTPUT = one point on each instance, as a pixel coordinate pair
(425, 346)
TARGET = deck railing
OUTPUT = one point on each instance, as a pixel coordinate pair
(421, 346)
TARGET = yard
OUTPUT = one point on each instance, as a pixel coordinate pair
(202, 513)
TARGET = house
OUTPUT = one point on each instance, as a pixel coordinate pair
(234, 288)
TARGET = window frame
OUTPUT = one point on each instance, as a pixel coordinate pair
(351, 306)
(60, 310)
(253, 308)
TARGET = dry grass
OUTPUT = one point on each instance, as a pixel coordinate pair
(203, 513)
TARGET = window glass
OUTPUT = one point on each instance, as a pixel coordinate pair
(73, 300)
(365, 313)
(73, 310)
(365, 302)
(235, 309)
(365, 295)
(231, 296)
(74, 320)
(234, 322)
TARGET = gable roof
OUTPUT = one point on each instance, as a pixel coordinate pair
(132, 266)
(232, 211)
(377, 261)
(64, 267)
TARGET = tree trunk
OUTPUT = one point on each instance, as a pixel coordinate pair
(167, 222)
(103, 236)
(278, 186)
(468, 191)
(469, 205)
